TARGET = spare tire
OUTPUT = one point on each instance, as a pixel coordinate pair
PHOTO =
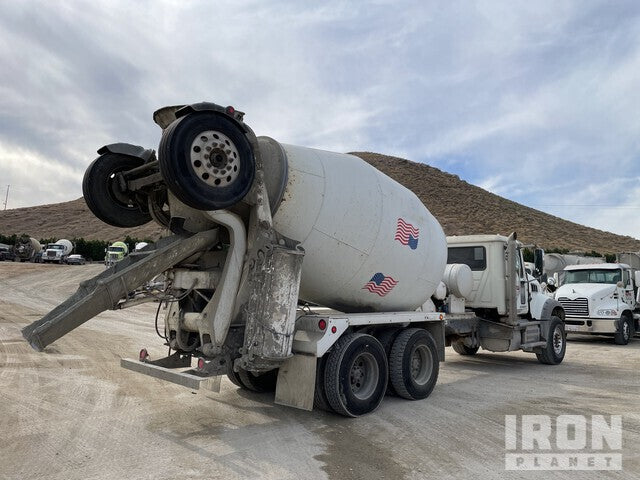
(105, 198)
(206, 161)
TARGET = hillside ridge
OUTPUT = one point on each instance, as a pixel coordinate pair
(460, 207)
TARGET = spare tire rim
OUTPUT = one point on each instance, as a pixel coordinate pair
(557, 340)
(625, 329)
(215, 159)
(421, 365)
(363, 376)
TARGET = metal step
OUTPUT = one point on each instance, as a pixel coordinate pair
(529, 346)
(184, 378)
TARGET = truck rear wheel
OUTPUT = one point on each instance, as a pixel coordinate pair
(259, 382)
(103, 194)
(553, 352)
(234, 376)
(623, 335)
(320, 401)
(414, 364)
(206, 161)
(386, 337)
(264, 382)
(462, 349)
(356, 375)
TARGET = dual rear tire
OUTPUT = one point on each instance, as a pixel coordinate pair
(359, 370)
(256, 382)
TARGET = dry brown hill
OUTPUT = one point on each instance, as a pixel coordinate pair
(460, 207)
(67, 220)
(464, 209)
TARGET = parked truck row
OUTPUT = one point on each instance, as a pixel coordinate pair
(28, 249)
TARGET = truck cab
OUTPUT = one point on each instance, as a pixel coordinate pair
(601, 299)
(54, 253)
(511, 312)
(115, 253)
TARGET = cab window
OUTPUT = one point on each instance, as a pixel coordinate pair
(474, 257)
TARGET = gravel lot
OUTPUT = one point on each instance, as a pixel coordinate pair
(72, 412)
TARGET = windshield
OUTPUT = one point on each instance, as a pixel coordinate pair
(593, 276)
(56, 247)
(116, 249)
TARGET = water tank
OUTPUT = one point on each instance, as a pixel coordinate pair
(459, 279)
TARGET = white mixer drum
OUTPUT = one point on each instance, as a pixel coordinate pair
(370, 243)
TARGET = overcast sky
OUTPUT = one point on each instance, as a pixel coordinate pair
(538, 102)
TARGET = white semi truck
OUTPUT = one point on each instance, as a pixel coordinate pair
(510, 310)
(57, 252)
(294, 269)
(601, 299)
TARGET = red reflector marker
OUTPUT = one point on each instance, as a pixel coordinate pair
(334, 329)
(144, 354)
(230, 110)
(322, 324)
(201, 363)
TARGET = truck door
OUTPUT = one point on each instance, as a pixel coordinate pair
(522, 286)
(627, 285)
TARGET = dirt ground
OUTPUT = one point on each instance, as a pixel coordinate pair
(72, 412)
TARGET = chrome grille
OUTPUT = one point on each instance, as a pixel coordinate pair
(575, 308)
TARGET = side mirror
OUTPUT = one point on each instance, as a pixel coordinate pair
(538, 261)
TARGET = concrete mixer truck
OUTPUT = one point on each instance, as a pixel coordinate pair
(115, 253)
(26, 248)
(290, 269)
(57, 252)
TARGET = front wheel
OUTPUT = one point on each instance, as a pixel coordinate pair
(356, 375)
(553, 352)
(623, 335)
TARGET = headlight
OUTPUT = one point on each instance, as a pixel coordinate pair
(606, 312)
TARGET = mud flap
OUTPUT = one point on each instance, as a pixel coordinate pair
(296, 382)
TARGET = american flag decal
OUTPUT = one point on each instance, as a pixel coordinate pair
(380, 284)
(407, 234)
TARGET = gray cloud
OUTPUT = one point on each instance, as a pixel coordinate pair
(533, 100)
